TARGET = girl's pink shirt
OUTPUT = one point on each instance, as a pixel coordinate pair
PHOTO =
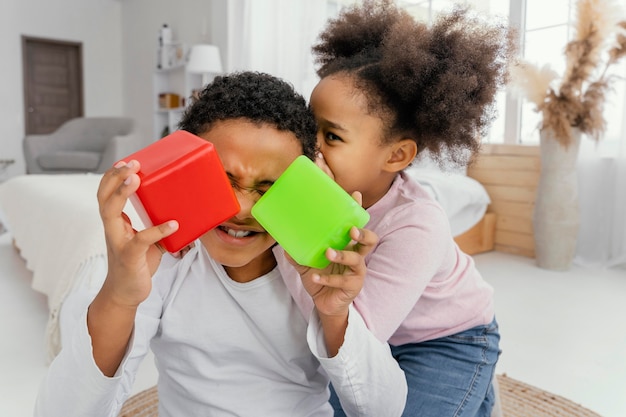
(419, 285)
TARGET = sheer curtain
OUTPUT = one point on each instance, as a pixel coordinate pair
(602, 182)
(275, 36)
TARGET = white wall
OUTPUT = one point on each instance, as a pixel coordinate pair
(120, 39)
(95, 23)
(141, 21)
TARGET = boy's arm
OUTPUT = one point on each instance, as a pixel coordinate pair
(334, 289)
(110, 327)
(74, 386)
(86, 377)
(132, 259)
(366, 377)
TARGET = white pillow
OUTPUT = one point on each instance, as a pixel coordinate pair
(463, 199)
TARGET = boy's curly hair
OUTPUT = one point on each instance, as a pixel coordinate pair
(255, 97)
(435, 84)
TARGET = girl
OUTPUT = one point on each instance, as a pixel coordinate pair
(391, 88)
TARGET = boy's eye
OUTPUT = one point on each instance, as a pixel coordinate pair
(260, 189)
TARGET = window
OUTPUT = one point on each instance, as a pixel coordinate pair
(546, 30)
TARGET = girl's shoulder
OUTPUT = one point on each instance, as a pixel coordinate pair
(407, 194)
(407, 204)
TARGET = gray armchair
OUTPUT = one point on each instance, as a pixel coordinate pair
(83, 144)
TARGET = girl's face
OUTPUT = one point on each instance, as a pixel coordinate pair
(253, 157)
(350, 138)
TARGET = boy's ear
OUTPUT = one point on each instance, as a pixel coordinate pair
(401, 155)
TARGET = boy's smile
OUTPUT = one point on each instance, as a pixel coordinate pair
(253, 156)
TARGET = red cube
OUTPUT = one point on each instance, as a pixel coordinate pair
(182, 178)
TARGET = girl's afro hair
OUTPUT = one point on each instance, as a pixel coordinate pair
(435, 84)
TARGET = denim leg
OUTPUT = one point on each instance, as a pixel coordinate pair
(448, 377)
(334, 401)
(451, 376)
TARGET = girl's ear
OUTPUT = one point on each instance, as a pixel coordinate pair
(401, 155)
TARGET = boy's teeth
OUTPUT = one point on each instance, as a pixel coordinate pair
(238, 233)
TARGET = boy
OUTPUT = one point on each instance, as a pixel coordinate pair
(227, 337)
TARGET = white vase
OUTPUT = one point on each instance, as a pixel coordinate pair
(556, 217)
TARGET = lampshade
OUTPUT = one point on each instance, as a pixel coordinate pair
(204, 59)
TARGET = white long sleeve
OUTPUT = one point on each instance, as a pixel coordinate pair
(75, 386)
(366, 378)
(224, 348)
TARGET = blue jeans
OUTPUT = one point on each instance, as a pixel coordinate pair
(450, 376)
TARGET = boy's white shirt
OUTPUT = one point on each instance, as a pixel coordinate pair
(250, 352)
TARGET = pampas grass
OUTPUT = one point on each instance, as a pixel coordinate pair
(576, 100)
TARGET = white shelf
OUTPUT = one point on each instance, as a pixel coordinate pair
(174, 80)
(172, 110)
(169, 69)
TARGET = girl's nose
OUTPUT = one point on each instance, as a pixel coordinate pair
(320, 139)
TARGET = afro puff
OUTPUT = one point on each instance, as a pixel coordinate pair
(435, 84)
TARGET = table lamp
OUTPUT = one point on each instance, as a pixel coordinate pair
(204, 59)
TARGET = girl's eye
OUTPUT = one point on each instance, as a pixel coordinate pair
(331, 137)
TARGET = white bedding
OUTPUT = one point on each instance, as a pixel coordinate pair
(463, 199)
(55, 223)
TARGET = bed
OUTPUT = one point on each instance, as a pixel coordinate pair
(465, 202)
(55, 225)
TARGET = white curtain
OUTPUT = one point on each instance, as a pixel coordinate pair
(602, 182)
(275, 36)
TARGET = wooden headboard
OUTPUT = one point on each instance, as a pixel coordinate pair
(510, 174)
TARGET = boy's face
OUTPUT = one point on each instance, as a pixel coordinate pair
(253, 157)
(350, 137)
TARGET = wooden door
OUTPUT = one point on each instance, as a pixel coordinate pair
(53, 83)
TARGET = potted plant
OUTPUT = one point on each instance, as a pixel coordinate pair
(571, 105)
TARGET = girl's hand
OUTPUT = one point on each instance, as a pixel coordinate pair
(132, 256)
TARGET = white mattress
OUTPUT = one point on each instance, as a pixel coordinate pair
(55, 222)
(464, 199)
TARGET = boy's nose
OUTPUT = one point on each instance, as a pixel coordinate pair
(246, 199)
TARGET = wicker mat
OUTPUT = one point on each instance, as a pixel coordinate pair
(522, 400)
(142, 404)
(517, 399)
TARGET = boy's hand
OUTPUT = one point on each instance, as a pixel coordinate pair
(132, 256)
(334, 288)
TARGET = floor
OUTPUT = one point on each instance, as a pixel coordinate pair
(563, 332)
